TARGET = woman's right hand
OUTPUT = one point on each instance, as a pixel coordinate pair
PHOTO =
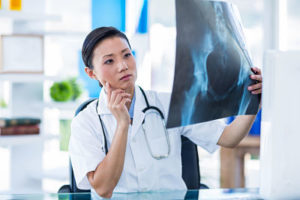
(117, 100)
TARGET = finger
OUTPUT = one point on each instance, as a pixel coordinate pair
(256, 70)
(255, 87)
(114, 95)
(256, 91)
(122, 104)
(256, 77)
(124, 101)
(120, 96)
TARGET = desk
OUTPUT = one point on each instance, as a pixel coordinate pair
(190, 194)
(233, 162)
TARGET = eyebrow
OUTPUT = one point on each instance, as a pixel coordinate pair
(109, 55)
(124, 50)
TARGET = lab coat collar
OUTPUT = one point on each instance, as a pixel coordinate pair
(138, 115)
(102, 105)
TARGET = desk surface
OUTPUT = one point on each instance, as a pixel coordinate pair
(191, 195)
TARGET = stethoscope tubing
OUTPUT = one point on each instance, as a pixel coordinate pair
(148, 107)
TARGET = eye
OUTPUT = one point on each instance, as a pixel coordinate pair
(127, 55)
(109, 61)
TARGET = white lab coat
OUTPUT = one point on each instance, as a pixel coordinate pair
(141, 171)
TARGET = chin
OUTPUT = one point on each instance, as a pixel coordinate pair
(123, 85)
(130, 85)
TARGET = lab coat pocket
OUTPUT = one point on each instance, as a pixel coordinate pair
(156, 136)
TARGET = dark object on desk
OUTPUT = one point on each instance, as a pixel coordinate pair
(189, 156)
(74, 196)
(5, 122)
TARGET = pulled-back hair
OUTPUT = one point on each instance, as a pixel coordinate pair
(96, 36)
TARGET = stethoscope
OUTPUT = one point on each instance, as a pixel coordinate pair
(149, 110)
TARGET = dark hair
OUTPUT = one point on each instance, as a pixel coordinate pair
(96, 36)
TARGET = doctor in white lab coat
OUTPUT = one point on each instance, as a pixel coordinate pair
(131, 163)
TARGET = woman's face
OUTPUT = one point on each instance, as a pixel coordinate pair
(114, 63)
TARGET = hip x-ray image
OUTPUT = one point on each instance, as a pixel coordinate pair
(212, 66)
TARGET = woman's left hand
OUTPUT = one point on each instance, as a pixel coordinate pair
(257, 87)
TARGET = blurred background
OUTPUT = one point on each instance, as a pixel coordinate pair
(42, 77)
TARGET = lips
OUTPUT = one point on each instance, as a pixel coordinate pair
(126, 77)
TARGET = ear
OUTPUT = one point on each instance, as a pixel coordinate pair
(90, 73)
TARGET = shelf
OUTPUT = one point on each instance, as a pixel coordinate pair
(63, 105)
(23, 16)
(22, 77)
(13, 140)
(58, 33)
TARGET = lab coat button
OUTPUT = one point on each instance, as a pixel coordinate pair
(133, 140)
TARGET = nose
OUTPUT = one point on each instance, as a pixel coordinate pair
(123, 66)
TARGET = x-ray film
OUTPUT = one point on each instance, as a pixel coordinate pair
(212, 65)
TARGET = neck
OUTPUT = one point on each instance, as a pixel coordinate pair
(130, 91)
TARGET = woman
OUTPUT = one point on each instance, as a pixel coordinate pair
(130, 164)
